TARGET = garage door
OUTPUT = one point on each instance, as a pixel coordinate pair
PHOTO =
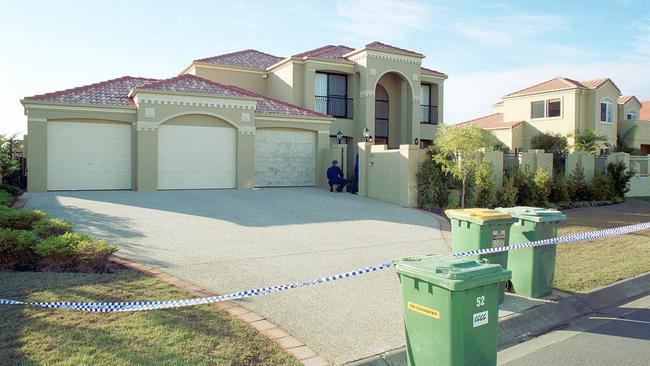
(194, 157)
(87, 156)
(285, 158)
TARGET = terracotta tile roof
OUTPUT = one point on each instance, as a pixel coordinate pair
(492, 121)
(424, 70)
(250, 58)
(109, 92)
(555, 84)
(190, 84)
(329, 52)
(645, 111)
(386, 47)
(594, 84)
(625, 99)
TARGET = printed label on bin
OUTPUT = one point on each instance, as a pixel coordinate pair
(498, 238)
(423, 310)
(480, 318)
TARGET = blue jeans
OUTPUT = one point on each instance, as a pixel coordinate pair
(341, 182)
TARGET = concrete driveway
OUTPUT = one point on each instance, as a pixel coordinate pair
(230, 240)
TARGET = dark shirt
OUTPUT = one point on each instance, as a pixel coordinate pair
(334, 172)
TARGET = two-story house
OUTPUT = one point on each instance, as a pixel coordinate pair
(236, 120)
(563, 106)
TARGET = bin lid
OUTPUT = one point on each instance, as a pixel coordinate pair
(479, 215)
(455, 274)
(535, 214)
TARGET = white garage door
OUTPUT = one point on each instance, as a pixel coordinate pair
(86, 156)
(192, 157)
(285, 158)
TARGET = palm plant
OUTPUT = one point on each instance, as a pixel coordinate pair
(588, 140)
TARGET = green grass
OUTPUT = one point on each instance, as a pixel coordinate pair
(583, 266)
(195, 335)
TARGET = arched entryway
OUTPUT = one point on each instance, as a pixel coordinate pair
(381, 115)
(393, 115)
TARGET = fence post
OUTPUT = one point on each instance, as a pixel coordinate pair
(496, 158)
(408, 170)
(544, 160)
(364, 163)
(619, 156)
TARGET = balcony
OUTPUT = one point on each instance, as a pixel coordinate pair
(339, 107)
(429, 114)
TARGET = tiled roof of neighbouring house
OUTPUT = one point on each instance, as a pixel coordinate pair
(190, 84)
(253, 59)
(645, 111)
(555, 84)
(109, 92)
(329, 52)
(491, 121)
(625, 99)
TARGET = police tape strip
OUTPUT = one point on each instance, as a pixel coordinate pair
(108, 307)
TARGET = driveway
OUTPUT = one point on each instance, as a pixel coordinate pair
(230, 240)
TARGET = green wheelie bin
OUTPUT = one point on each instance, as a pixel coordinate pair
(532, 268)
(480, 228)
(450, 310)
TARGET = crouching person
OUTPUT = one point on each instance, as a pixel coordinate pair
(335, 177)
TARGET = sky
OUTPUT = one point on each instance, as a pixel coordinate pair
(488, 49)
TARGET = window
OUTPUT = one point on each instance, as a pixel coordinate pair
(631, 116)
(537, 109)
(331, 95)
(428, 112)
(553, 108)
(381, 116)
(606, 110)
(546, 108)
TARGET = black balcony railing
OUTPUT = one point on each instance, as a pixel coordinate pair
(339, 107)
(429, 114)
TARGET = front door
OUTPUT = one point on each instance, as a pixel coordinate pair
(381, 116)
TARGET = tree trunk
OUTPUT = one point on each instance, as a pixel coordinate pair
(462, 194)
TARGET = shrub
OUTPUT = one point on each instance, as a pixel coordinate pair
(507, 197)
(526, 194)
(73, 251)
(542, 182)
(620, 177)
(13, 190)
(601, 187)
(579, 188)
(16, 249)
(433, 184)
(486, 190)
(560, 190)
(19, 219)
(46, 228)
(6, 199)
(550, 142)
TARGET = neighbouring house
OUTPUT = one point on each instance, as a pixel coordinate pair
(564, 106)
(236, 120)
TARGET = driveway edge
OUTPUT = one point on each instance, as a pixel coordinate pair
(286, 341)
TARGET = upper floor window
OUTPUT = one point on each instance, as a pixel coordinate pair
(428, 111)
(606, 110)
(632, 116)
(546, 108)
(331, 95)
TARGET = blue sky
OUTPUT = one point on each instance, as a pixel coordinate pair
(487, 49)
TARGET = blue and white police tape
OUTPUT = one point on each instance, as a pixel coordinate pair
(107, 307)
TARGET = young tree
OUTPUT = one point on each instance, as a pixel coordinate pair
(7, 162)
(588, 140)
(550, 142)
(458, 151)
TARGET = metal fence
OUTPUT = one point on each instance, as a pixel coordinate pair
(510, 162)
(559, 165)
(639, 164)
(600, 164)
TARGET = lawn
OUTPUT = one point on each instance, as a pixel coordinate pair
(195, 335)
(583, 266)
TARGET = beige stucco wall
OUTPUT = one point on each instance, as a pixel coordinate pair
(641, 134)
(248, 79)
(519, 109)
(504, 135)
(588, 164)
(496, 159)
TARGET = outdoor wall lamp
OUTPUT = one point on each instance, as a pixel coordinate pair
(339, 136)
(366, 133)
(417, 141)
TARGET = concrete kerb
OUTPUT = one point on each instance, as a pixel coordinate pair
(559, 309)
(282, 338)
